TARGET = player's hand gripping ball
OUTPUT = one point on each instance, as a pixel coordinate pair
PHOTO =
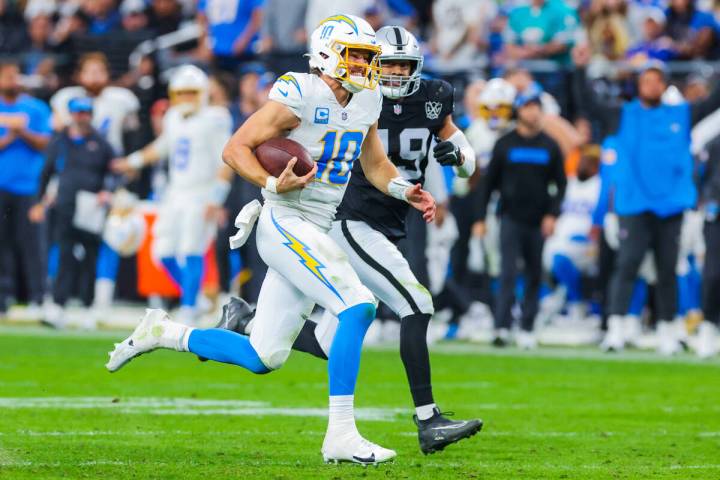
(448, 154)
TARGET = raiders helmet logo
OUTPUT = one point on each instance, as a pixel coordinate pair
(432, 110)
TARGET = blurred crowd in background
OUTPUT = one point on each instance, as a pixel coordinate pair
(127, 49)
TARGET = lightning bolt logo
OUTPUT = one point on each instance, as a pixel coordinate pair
(342, 19)
(292, 81)
(306, 259)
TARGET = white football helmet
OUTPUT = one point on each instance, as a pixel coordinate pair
(496, 103)
(330, 45)
(399, 44)
(189, 78)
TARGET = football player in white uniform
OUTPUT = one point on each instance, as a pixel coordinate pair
(192, 140)
(333, 113)
(568, 253)
(115, 111)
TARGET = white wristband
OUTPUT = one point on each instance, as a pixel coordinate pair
(271, 184)
(397, 188)
(136, 160)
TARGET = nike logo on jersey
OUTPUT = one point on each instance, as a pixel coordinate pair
(284, 93)
(370, 459)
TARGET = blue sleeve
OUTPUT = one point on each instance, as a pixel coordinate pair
(702, 20)
(402, 8)
(603, 203)
(601, 208)
(201, 6)
(40, 119)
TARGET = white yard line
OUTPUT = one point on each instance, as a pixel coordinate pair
(188, 407)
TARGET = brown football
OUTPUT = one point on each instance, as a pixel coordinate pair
(275, 154)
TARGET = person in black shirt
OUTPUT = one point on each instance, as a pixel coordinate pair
(368, 225)
(527, 169)
(710, 199)
(80, 157)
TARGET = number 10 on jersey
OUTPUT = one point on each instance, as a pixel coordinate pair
(334, 166)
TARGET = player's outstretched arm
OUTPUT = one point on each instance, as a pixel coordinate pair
(272, 120)
(381, 172)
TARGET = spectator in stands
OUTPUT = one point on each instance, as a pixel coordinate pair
(24, 134)
(80, 157)
(231, 30)
(654, 43)
(283, 37)
(317, 10)
(103, 16)
(544, 29)
(608, 28)
(461, 30)
(691, 29)
(653, 186)
(134, 16)
(527, 169)
(165, 16)
(38, 54)
(13, 36)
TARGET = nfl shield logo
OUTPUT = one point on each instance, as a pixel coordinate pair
(344, 115)
(397, 109)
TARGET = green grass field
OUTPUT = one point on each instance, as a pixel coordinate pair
(557, 413)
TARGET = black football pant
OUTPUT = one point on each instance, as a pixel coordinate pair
(519, 241)
(77, 262)
(20, 245)
(476, 284)
(711, 273)
(638, 233)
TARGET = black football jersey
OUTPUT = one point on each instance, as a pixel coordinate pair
(406, 127)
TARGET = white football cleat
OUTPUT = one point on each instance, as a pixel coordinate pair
(707, 341)
(632, 329)
(668, 343)
(154, 331)
(614, 340)
(526, 340)
(349, 446)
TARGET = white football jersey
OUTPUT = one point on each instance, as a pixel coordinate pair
(193, 146)
(110, 110)
(482, 138)
(331, 133)
(577, 208)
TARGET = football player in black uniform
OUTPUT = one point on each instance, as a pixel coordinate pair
(369, 224)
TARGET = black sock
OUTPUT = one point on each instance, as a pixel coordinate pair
(307, 342)
(415, 356)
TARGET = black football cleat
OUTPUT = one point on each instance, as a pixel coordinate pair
(236, 315)
(438, 432)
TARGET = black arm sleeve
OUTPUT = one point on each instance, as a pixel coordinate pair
(49, 167)
(491, 181)
(701, 109)
(558, 177)
(589, 103)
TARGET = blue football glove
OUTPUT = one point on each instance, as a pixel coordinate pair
(448, 154)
